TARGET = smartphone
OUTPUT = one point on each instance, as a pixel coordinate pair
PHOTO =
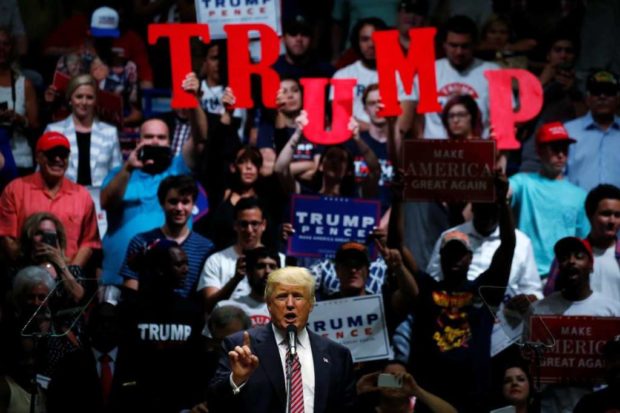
(4, 105)
(50, 238)
(389, 381)
(153, 152)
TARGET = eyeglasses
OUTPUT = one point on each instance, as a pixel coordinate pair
(457, 115)
(244, 224)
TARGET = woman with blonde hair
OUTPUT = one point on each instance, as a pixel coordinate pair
(95, 148)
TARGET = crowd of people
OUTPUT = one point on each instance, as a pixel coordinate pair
(143, 250)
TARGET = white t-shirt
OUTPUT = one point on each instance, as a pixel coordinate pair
(364, 77)
(220, 268)
(524, 276)
(451, 82)
(256, 310)
(605, 278)
(595, 305)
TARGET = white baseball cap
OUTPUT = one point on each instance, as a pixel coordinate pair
(104, 23)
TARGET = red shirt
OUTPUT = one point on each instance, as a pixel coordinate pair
(72, 205)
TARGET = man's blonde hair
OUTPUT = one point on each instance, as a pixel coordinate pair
(291, 276)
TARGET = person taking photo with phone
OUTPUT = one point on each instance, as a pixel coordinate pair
(129, 192)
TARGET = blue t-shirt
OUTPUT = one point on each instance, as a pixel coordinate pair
(140, 211)
(547, 210)
(196, 247)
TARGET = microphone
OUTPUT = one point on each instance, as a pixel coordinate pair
(291, 332)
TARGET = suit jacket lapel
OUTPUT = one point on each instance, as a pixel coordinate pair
(267, 352)
(321, 372)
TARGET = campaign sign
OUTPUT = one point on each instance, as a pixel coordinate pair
(110, 107)
(357, 323)
(575, 344)
(217, 13)
(444, 170)
(323, 223)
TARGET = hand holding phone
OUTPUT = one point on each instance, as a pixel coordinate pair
(389, 381)
(50, 238)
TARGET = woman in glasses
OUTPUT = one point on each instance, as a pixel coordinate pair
(461, 118)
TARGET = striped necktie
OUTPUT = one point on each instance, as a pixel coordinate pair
(297, 385)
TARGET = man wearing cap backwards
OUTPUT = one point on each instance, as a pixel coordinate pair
(576, 298)
(48, 190)
(450, 345)
(546, 206)
(594, 158)
(129, 192)
(251, 372)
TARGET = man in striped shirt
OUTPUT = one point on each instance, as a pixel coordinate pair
(177, 196)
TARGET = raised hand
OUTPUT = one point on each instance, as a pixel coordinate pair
(367, 383)
(392, 257)
(229, 100)
(191, 84)
(280, 99)
(301, 121)
(133, 160)
(242, 361)
(354, 127)
(287, 231)
(240, 269)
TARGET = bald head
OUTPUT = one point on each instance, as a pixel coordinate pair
(155, 132)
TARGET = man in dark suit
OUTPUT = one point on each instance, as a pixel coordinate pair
(99, 378)
(251, 373)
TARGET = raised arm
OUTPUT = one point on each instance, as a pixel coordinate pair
(370, 187)
(112, 194)
(197, 121)
(498, 272)
(282, 167)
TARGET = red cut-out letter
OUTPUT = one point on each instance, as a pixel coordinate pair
(420, 59)
(240, 65)
(503, 118)
(179, 35)
(342, 110)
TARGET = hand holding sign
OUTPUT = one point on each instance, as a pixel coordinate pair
(191, 84)
(229, 100)
(242, 361)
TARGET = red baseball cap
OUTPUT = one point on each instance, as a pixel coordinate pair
(51, 140)
(553, 132)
